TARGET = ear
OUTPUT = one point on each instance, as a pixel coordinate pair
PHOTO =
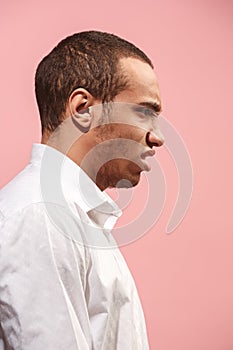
(79, 102)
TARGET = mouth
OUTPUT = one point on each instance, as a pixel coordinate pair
(149, 153)
(144, 164)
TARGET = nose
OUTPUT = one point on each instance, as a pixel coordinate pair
(154, 138)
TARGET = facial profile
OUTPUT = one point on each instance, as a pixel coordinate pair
(129, 133)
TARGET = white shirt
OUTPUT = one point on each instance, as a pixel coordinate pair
(64, 285)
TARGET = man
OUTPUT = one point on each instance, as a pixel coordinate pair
(64, 283)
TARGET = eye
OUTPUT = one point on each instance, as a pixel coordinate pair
(148, 112)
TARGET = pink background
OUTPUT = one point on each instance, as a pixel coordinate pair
(185, 280)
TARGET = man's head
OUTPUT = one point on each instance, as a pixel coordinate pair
(87, 59)
(93, 68)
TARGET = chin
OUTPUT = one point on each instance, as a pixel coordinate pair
(125, 176)
(127, 182)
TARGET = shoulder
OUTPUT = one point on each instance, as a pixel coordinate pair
(20, 192)
(40, 217)
(42, 227)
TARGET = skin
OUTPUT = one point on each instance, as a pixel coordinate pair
(112, 152)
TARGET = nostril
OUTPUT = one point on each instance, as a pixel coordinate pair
(148, 140)
(152, 141)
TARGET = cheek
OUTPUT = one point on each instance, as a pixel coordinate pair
(130, 143)
(120, 131)
(134, 133)
(124, 167)
(124, 142)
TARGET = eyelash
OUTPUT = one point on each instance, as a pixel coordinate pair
(147, 112)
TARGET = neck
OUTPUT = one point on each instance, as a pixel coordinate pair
(80, 153)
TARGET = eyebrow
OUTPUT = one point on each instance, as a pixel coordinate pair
(153, 105)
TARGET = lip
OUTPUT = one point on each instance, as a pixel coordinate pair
(149, 153)
(145, 165)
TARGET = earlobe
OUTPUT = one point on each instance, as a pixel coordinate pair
(82, 119)
(80, 102)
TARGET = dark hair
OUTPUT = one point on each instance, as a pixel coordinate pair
(87, 59)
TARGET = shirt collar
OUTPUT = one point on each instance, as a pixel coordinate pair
(59, 170)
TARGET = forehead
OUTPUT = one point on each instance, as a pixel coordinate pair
(143, 82)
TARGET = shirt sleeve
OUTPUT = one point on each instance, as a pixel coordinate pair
(42, 283)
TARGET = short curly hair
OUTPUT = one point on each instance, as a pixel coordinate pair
(87, 59)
